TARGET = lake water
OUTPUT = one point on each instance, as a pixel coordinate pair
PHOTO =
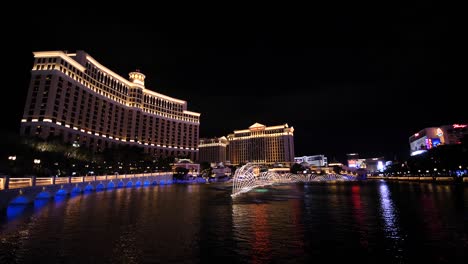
(352, 222)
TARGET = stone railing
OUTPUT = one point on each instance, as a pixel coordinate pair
(17, 183)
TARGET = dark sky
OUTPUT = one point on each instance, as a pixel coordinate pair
(348, 80)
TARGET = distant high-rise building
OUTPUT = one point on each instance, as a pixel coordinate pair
(76, 98)
(431, 137)
(262, 145)
(212, 150)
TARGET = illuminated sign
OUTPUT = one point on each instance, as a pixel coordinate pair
(439, 132)
(459, 126)
(435, 142)
(428, 143)
(380, 166)
(417, 152)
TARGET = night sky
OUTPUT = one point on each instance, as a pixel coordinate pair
(348, 80)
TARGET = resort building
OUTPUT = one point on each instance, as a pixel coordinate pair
(263, 145)
(76, 98)
(212, 150)
(432, 137)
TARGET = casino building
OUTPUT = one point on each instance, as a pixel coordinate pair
(431, 137)
(263, 145)
(74, 97)
(212, 150)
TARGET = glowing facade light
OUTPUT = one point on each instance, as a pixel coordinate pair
(417, 152)
(12, 157)
(37, 161)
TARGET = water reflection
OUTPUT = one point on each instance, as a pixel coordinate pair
(390, 216)
(40, 203)
(13, 211)
(388, 212)
(252, 227)
(261, 239)
(358, 214)
(368, 222)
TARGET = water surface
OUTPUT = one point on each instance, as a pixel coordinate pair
(364, 222)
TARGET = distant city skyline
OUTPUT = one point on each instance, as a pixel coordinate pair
(349, 81)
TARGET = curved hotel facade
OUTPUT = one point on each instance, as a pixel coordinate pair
(77, 98)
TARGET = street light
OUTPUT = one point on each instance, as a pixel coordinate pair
(12, 157)
(36, 166)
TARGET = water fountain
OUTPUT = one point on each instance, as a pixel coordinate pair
(250, 176)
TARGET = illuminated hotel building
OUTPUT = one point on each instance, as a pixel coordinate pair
(431, 137)
(212, 149)
(75, 97)
(262, 145)
(370, 164)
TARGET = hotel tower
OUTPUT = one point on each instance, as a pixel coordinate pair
(212, 149)
(74, 97)
(262, 145)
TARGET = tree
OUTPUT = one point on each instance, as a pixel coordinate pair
(336, 169)
(296, 167)
(205, 169)
(180, 172)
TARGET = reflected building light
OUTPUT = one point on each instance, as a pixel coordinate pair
(388, 213)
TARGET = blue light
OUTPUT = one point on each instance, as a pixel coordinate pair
(100, 187)
(146, 183)
(129, 184)
(110, 185)
(61, 192)
(43, 195)
(20, 200)
(120, 184)
(76, 190)
(59, 199)
(138, 184)
(38, 204)
(89, 188)
(14, 211)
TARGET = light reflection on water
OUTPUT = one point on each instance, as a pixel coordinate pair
(368, 222)
(390, 217)
(388, 212)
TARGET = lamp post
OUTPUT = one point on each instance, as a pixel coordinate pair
(12, 160)
(36, 166)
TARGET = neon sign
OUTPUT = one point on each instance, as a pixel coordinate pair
(459, 126)
(439, 132)
(428, 143)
